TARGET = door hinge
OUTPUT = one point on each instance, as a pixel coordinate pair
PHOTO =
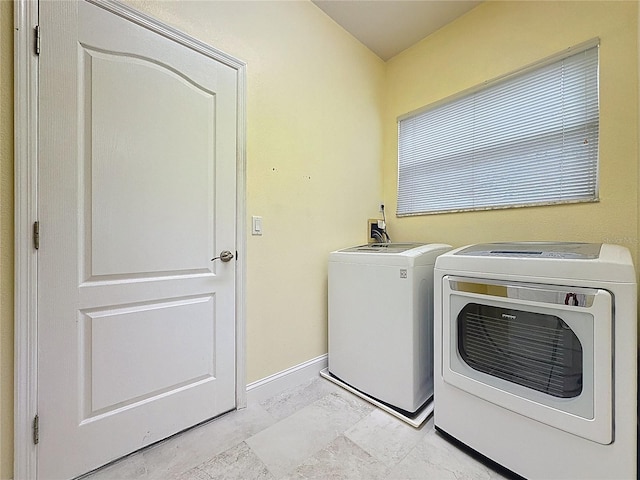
(36, 430)
(36, 235)
(36, 34)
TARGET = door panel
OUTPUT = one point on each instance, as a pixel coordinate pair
(137, 168)
(130, 236)
(158, 339)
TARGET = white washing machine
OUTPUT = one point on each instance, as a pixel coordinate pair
(381, 321)
(535, 357)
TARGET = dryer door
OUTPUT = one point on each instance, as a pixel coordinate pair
(542, 351)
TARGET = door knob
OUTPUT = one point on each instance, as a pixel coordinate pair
(225, 256)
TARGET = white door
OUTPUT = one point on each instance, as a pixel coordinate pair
(137, 194)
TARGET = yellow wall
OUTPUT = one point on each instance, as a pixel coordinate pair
(6, 239)
(494, 39)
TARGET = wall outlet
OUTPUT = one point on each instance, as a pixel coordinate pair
(375, 233)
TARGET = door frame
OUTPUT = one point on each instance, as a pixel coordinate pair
(26, 76)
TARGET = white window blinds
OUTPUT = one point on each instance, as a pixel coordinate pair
(528, 139)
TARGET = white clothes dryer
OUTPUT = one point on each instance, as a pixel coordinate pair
(535, 357)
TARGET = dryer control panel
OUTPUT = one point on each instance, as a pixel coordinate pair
(568, 250)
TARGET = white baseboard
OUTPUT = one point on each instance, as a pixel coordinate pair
(267, 387)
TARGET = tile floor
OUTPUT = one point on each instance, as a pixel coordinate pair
(314, 431)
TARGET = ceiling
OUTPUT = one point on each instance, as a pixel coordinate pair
(388, 27)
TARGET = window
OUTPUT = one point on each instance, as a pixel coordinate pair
(530, 138)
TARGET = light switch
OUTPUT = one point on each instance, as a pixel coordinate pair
(256, 225)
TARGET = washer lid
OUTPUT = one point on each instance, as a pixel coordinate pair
(570, 250)
(383, 248)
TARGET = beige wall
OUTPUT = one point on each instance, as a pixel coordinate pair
(6, 239)
(499, 37)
